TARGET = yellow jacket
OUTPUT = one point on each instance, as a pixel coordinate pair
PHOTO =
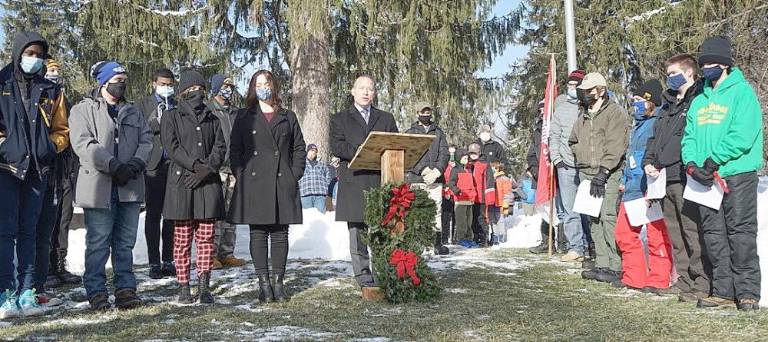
(54, 111)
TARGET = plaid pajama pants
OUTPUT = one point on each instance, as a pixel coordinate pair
(202, 231)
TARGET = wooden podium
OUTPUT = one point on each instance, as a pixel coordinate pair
(392, 153)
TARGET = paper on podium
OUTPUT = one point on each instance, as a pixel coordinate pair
(585, 203)
(710, 197)
(657, 186)
(639, 213)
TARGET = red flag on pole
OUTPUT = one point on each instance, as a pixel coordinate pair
(545, 186)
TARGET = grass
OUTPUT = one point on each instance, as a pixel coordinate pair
(541, 300)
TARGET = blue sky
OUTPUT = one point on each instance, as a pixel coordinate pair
(512, 53)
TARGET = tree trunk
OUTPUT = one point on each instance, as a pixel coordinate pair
(311, 88)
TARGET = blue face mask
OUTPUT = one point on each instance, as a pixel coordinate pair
(264, 94)
(676, 81)
(572, 94)
(713, 73)
(640, 109)
(31, 65)
(164, 91)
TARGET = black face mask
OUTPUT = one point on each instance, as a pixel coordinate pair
(196, 99)
(425, 120)
(116, 89)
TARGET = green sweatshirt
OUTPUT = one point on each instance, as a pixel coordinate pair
(725, 124)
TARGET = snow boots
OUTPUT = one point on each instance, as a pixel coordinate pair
(265, 289)
(439, 248)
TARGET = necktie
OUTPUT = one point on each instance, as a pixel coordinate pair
(366, 114)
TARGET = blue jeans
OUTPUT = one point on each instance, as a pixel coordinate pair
(110, 231)
(568, 184)
(43, 237)
(313, 201)
(20, 208)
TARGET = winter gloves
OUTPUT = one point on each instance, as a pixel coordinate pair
(201, 172)
(597, 186)
(704, 175)
(430, 175)
(123, 173)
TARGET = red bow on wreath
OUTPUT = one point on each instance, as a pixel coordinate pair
(399, 204)
(405, 262)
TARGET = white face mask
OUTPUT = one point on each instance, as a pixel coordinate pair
(164, 91)
(485, 136)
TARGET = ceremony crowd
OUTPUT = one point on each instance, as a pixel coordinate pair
(200, 165)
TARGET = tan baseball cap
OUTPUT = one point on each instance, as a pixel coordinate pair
(420, 106)
(593, 79)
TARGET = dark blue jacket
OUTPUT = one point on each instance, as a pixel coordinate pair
(634, 179)
(25, 143)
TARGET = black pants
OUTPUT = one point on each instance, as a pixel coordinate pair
(277, 234)
(730, 235)
(480, 222)
(155, 197)
(690, 254)
(65, 210)
(448, 220)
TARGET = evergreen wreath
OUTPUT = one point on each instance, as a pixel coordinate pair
(401, 225)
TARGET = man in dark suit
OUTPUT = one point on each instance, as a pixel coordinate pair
(349, 129)
(153, 106)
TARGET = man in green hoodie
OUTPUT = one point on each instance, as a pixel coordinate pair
(724, 138)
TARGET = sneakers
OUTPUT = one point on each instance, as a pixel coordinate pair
(231, 261)
(748, 304)
(155, 271)
(100, 302)
(169, 269)
(126, 299)
(28, 303)
(8, 306)
(572, 256)
(714, 302)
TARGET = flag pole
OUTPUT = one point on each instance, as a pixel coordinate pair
(551, 206)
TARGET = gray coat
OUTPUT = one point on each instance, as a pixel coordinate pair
(563, 118)
(92, 134)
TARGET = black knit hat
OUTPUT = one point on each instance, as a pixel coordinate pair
(651, 91)
(190, 78)
(716, 50)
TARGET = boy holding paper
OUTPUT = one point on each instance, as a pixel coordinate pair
(663, 153)
(723, 143)
(635, 272)
(598, 141)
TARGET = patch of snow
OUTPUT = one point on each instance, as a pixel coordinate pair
(248, 307)
(457, 290)
(5, 324)
(522, 231)
(284, 333)
(335, 283)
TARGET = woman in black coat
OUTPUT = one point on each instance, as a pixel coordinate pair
(267, 156)
(194, 141)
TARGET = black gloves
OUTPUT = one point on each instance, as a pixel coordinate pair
(597, 186)
(136, 165)
(704, 175)
(123, 174)
(201, 172)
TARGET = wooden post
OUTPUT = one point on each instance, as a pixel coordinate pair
(393, 167)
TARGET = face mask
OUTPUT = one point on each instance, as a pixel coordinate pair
(425, 119)
(55, 79)
(639, 112)
(591, 100)
(164, 91)
(572, 95)
(485, 136)
(226, 93)
(195, 99)
(264, 94)
(713, 73)
(116, 89)
(674, 82)
(464, 161)
(31, 65)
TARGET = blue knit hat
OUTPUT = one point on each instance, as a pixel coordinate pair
(105, 70)
(217, 81)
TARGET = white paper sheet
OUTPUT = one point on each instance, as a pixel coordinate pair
(710, 197)
(657, 186)
(639, 213)
(585, 203)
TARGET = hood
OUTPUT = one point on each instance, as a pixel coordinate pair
(734, 78)
(23, 39)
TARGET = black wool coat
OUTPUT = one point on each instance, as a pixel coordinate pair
(189, 138)
(348, 132)
(267, 160)
(148, 106)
